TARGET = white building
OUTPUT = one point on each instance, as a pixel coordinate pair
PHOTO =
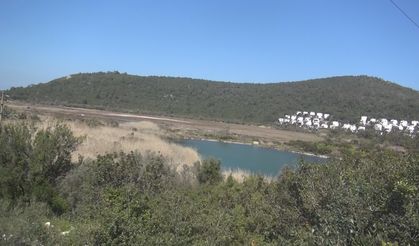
(317, 120)
(363, 120)
(334, 125)
(378, 127)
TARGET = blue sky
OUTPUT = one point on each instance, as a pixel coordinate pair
(229, 40)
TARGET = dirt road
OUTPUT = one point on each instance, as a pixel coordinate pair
(184, 127)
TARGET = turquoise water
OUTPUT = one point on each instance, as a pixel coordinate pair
(251, 158)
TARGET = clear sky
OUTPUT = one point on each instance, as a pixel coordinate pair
(229, 40)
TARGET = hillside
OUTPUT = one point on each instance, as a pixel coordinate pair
(346, 97)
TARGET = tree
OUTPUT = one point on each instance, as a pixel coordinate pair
(209, 172)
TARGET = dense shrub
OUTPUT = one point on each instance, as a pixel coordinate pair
(366, 198)
(209, 172)
(32, 161)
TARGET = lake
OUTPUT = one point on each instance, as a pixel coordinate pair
(251, 158)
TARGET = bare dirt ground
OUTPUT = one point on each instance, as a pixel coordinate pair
(179, 127)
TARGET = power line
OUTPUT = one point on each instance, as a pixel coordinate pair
(405, 14)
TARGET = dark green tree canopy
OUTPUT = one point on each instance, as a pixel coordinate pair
(346, 97)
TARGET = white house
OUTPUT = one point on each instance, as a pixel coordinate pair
(411, 129)
(363, 120)
(334, 125)
(346, 126)
(378, 127)
(388, 128)
(311, 119)
(281, 120)
(300, 120)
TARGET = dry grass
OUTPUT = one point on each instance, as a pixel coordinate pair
(237, 174)
(140, 136)
(240, 175)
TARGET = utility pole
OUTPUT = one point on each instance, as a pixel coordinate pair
(1, 106)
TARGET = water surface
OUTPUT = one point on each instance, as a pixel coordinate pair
(251, 158)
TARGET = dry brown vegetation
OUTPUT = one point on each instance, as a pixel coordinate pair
(141, 136)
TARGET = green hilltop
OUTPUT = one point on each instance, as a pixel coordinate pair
(345, 97)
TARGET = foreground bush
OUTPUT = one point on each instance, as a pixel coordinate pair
(367, 198)
(33, 161)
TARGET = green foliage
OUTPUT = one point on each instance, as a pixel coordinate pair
(365, 198)
(346, 98)
(321, 148)
(32, 161)
(209, 172)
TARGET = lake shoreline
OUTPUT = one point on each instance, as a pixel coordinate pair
(257, 145)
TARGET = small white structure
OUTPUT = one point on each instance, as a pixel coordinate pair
(300, 121)
(313, 120)
(334, 125)
(346, 126)
(410, 129)
(388, 128)
(363, 120)
(281, 120)
(378, 127)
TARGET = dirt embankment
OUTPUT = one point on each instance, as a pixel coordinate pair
(181, 128)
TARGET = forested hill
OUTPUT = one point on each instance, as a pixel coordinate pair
(346, 97)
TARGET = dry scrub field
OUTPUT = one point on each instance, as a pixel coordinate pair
(179, 126)
(151, 133)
